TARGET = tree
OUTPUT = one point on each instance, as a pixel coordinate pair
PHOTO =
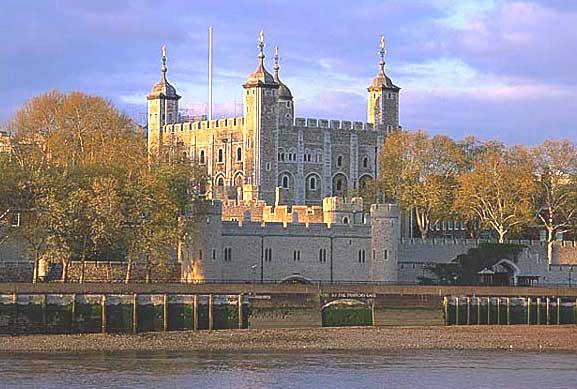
(556, 171)
(420, 173)
(500, 190)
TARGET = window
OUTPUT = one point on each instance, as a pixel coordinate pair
(200, 254)
(220, 156)
(345, 220)
(268, 166)
(285, 182)
(213, 254)
(313, 183)
(386, 255)
(239, 154)
(339, 185)
(340, 161)
(362, 256)
(268, 254)
(220, 181)
(296, 255)
(281, 155)
(322, 255)
(319, 156)
(227, 254)
(365, 162)
(288, 104)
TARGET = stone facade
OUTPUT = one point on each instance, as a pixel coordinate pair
(362, 248)
(268, 154)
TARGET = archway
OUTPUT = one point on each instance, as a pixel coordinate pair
(313, 185)
(346, 312)
(340, 185)
(506, 273)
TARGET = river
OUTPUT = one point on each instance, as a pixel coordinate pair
(422, 369)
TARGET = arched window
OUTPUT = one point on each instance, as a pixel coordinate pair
(220, 181)
(285, 182)
(220, 156)
(365, 162)
(313, 183)
(239, 154)
(339, 184)
(281, 155)
(202, 159)
(340, 161)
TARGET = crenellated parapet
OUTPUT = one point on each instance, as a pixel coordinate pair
(220, 124)
(335, 124)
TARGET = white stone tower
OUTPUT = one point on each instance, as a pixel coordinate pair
(383, 99)
(260, 131)
(162, 108)
(385, 236)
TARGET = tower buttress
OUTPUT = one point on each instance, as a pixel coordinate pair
(286, 110)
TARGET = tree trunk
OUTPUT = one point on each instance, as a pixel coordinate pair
(36, 265)
(422, 223)
(550, 240)
(128, 270)
(64, 277)
(83, 262)
(501, 233)
(147, 270)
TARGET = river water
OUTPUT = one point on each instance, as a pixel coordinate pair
(417, 369)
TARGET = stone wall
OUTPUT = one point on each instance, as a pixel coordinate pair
(116, 272)
(16, 271)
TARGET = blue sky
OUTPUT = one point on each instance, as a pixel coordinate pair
(494, 69)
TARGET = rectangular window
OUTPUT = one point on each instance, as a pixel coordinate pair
(200, 254)
(213, 254)
(386, 255)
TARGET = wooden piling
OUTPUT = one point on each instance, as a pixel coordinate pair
(73, 313)
(488, 310)
(558, 310)
(135, 313)
(44, 318)
(446, 309)
(241, 319)
(210, 323)
(547, 308)
(103, 313)
(498, 310)
(528, 310)
(538, 310)
(479, 301)
(508, 310)
(15, 327)
(468, 310)
(456, 311)
(165, 313)
(195, 313)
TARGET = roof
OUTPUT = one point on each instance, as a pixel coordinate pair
(382, 81)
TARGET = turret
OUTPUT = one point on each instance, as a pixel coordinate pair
(162, 108)
(385, 236)
(383, 99)
(261, 126)
(285, 98)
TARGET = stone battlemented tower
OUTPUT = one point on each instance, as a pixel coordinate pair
(268, 151)
(162, 108)
(385, 237)
(383, 102)
(260, 129)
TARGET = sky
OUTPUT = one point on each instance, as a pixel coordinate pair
(488, 68)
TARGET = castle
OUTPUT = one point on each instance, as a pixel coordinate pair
(280, 193)
(268, 154)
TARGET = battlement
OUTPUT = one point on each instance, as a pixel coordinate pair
(334, 124)
(384, 210)
(340, 204)
(299, 229)
(220, 124)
